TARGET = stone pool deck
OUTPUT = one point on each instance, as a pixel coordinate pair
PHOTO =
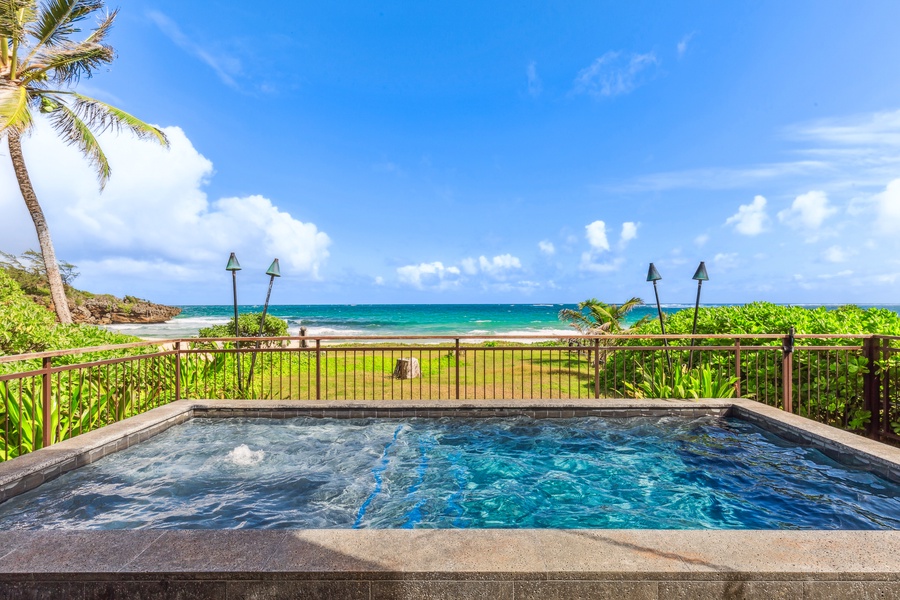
(446, 564)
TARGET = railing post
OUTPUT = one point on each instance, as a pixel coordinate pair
(457, 368)
(885, 384)
(737, 367)
(177, 371)
(871, 386)
(47, 402)
(596, 368)
(787, 372)
(318, 369)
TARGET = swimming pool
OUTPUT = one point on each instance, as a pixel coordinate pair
(651, 472)
(368, 563)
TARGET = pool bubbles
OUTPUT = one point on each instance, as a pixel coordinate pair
(243, 456)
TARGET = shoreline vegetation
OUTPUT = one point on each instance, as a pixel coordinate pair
(28, 271)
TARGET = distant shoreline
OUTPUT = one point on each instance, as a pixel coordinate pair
(403, 319)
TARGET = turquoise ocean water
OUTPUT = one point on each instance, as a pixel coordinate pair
(392, 319)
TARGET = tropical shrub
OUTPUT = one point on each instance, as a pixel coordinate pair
(248, 326)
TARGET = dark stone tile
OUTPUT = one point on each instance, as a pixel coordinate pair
(166, 589)
(41, 590)
(852, 590)
(742, 590)
(578, 590)
(298, 590)
(442, 590)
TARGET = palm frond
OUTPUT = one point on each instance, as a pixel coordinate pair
(14, 110)
(76, 132)
(99, 34)
(58, 19)
(14, 14)
(69, 62)
(576, 319)
(104, 116)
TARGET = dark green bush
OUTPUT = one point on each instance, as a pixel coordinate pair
(248, 326)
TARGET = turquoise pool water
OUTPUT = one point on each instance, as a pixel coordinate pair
(654, 473)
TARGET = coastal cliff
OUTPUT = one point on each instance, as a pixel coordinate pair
(108, 310)
(27, 270)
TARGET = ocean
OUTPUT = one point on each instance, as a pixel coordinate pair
(392, 319)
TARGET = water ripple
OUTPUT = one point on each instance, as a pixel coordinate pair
(669, 473)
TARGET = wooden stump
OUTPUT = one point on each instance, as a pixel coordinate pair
(407, 368)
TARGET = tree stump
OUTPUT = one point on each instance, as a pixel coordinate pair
(407, 368)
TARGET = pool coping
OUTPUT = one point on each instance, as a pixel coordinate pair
(500, 563)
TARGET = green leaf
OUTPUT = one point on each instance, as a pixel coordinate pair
(14, 110)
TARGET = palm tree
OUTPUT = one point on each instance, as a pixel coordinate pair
(40, 64)
(600, 317)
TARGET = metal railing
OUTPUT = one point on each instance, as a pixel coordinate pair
(847, 381)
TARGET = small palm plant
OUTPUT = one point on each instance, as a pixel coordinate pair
(40, 64)
(600, 317)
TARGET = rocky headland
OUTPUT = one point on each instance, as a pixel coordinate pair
(109, 310)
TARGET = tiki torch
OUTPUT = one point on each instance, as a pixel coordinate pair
(273, 272)
(654, 276)
(234, 266)
(699, 276)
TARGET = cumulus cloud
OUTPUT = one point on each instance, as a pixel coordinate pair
(629, 232)
(808, 211)
(615, 73)
(887, 207)
(154, 217)
(596, 236)
(432, 275)
(750, 219)
(535, 87)
(589, 264)
(547, 248)
(435, 275)
(498, 265)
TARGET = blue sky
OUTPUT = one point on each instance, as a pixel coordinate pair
(489, 152)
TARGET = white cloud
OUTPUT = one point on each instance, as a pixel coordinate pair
(153, 214)
(750, 219)
(588, 264)
(534, 81)
(469, 266)
(547, 248)
(225, 66)
(836, 254)
(887, 207)
(433, 275)
(682, 46)
(701, 240)
(808, 211)
(596, 236)
(629, 231)
(499, 265)
(379, 280)
(724, 261)
(614, 73)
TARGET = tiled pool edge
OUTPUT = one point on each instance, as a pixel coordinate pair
(495, 564)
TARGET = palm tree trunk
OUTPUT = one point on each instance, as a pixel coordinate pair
(57, 290)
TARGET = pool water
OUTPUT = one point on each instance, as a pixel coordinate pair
(645, 473)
